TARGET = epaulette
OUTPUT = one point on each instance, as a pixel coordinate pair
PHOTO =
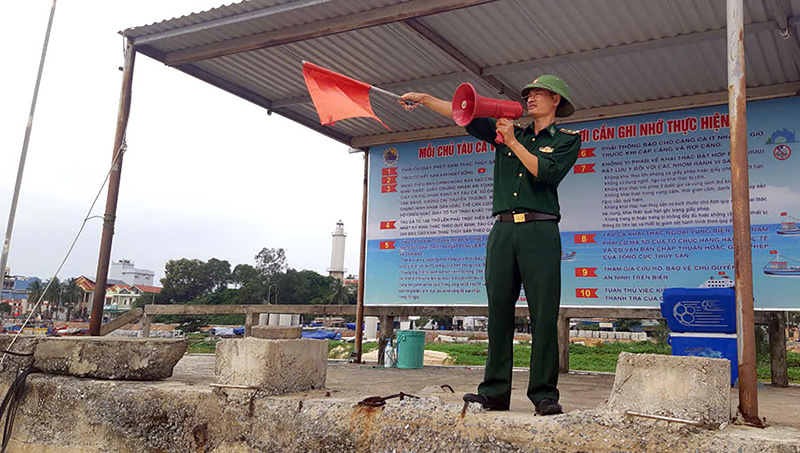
(570, 131)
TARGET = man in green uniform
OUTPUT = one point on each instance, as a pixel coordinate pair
(524, 246)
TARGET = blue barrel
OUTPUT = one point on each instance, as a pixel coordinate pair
(410, 349)
(710, 310)
(715, 346)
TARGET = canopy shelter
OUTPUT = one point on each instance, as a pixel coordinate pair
(619, 57)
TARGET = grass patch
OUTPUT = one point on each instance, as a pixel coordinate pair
(365, 347)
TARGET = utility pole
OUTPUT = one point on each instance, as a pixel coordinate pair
(23, 156)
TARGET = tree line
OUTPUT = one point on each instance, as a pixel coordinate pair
(270, 280)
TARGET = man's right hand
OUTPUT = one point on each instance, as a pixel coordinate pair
(416, 98)
(437, 105)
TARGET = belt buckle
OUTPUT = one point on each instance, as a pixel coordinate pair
(519, 218)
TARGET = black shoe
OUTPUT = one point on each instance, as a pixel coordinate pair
(548, 406)
(488, 403)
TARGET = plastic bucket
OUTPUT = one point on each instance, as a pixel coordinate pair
(410, 349)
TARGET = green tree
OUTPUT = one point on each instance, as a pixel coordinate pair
(339, 296)
(35, 291)
(218, 273)
(185, 280)
(5, 308)
(252, 285)
(53, 294)
(271, 262)
(71, 294)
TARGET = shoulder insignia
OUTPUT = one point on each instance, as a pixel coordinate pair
(570, 131)
(546, 149)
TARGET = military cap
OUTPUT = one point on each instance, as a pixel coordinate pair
(556, 85)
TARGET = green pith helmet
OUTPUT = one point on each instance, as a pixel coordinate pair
(556, 85)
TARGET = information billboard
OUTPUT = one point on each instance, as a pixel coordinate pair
(647, 206)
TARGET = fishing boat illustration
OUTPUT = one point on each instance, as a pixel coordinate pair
(723, 281)
(782, 266)
(567, 255)
(789, 225)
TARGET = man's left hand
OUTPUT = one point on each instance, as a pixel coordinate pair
(506, 128)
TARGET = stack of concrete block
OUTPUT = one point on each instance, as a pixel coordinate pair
(273, 360)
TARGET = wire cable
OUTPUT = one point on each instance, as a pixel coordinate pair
(122, 149)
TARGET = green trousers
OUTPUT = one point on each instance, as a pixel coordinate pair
(528, 254)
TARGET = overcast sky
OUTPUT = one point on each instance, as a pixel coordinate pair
(206, 174)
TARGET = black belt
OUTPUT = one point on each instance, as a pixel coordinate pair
(523, 217)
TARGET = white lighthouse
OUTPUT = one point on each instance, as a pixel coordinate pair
(337, 252)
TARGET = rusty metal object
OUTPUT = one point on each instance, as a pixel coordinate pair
(665, 418)
(361, 263)
(113, 192)
(447, 387)
(378, 401)
(740, 198)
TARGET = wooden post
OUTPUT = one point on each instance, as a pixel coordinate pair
(779, 372)
(563, 344)
(113, 193)
(250, 320)
(147, 320)
(384, 335)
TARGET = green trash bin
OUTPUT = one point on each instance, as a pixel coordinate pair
(410, 349)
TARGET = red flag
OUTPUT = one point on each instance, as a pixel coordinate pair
(773, 252)
(389, 180)
(784, 214)
(388, 225)
(481, 170)
(388, 171)
(337, 97)
(387, 245)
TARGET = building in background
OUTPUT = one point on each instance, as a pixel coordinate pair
(15, 291)
(125, 271)
(337, 252)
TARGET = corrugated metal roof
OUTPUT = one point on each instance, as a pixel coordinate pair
(611, 52)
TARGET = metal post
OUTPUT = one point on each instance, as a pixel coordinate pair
(23, 156)
(362, 263)
(740, 194)
(113, 192)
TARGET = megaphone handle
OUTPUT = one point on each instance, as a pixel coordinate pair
(499, 139)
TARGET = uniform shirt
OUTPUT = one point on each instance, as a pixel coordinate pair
(515, 188)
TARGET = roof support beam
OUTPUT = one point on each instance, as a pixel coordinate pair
(439, 41)
(614, 111)
(622, 49)
(371, 18)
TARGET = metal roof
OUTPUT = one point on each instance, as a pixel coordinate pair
(618, 56)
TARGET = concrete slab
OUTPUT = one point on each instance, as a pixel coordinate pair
(24, 344)
(272, 366)
(266, 332)
(692, 388)
(182, 414)
(109, 357)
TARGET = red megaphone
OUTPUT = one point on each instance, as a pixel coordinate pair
(468, 105)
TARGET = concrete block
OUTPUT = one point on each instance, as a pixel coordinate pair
(603, 334)
(624, 335)
(274, 366)
(141, 359)
(276, 332)
(24, 344)
(573, 333)
(692, 388)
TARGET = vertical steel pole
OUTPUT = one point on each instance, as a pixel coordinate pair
(740, 194)
(23, 156)
(113, 192)
(362, 263)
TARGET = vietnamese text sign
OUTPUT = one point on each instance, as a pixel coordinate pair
(647, 206)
